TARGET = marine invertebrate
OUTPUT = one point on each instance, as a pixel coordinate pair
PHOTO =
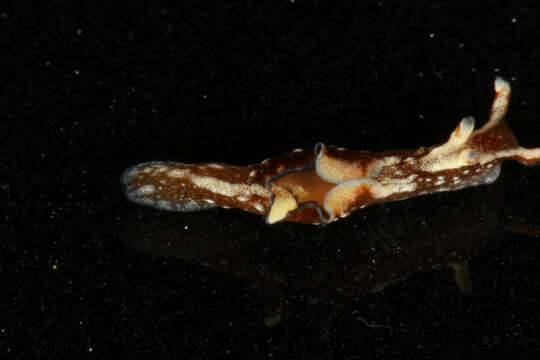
(328, 183)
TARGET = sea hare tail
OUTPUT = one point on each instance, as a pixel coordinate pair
(158, 184)
(176, 186)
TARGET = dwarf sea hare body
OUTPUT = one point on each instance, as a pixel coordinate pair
(324, 184)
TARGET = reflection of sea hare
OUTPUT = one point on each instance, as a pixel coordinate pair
(461, 273)
(316, 269)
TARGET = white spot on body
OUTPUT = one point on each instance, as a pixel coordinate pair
(386, 187)
(400, 181)
(164, 204)
(389, 161)
(145, 201)
(191, 205)
(216, 166)
(297, 150)
(442, 189)
(465, 172)
(252, 173)
(219, 186)
(225, 188)
(258, 206)
(241, 198)
(145, 190)
(178, 173)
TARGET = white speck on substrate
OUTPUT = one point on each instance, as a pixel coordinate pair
(297, 150)
(265, 161)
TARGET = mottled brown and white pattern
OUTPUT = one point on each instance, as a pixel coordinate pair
(328, 183)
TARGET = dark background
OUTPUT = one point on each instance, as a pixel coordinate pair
(88, 90)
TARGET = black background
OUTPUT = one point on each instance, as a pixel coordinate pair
(88, 90)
